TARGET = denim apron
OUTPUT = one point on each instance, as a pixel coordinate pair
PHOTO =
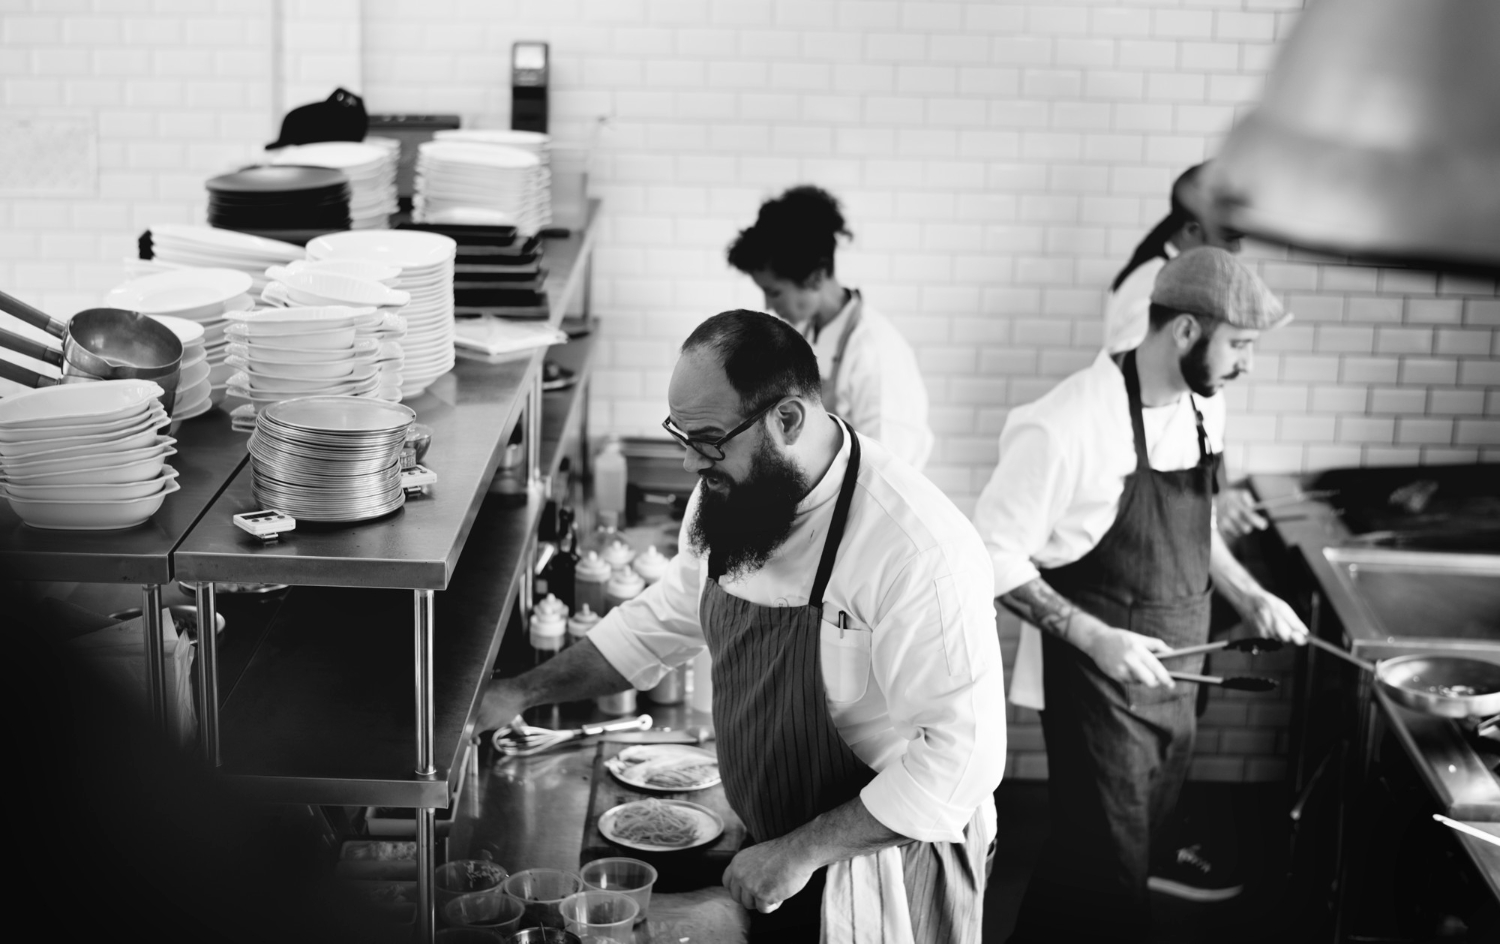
(1117, 753)
(784, 762)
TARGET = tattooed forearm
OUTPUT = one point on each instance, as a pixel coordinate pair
(1042, 607)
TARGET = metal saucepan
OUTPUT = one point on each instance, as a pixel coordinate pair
(1446, 686)
(98, 344)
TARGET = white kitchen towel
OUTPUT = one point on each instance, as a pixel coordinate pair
(864, 901)
(1026, 680)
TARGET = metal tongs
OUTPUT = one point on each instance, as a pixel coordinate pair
(1245, 683)
(523, 740)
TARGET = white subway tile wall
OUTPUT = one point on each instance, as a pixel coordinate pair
(998, 162)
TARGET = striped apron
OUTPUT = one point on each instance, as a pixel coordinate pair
(784, 762)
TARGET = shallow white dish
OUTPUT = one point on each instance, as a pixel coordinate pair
(257, 348)
(327, 370)
(134, 436)
(266, 383)
(645, 766)
(191, 400)
(93, 491)
(358, 268)
(404, 248)
(188, 332)
(90, 515)
(193, 375)
(61, 435)
(327, 288)
(284, 335)
(241, 244)
(189, 291)
(131, 470)
(76, 404)
(707, 826)
(87, 458)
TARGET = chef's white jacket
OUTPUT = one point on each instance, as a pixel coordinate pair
(915, 685)
(1127, 311)
(879, 389)
(1057, 488)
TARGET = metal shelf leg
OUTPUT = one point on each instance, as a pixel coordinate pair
(208, 674)
(423, 612)
(156, 677)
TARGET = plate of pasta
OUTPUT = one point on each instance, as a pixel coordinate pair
(665, 768)
(660, 825)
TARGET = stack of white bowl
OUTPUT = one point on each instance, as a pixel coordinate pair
(426, 264)
(183, 246)
(472, 182)
(85, 457)
(205, 296)
(193, 387)
(312, 285)
(287, 353)
(371, 170)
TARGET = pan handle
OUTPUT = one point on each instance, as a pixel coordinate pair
(36, 349)
(32, 316)
(27, 378)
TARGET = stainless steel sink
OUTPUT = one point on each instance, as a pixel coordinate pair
(1386, 595)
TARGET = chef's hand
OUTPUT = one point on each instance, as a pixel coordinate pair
(501, 704)
(1236, 512)
(1273, 618)
(1128, 657)
(766, 874)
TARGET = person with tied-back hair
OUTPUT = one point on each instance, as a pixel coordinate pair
(858, 691)
(869, 373)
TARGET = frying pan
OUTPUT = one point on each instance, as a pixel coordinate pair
(1446, 686)
(98, 344)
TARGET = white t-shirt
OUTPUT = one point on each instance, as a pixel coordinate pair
(915, 685)
(1062, 469)
(879, 387)
(1127, 310)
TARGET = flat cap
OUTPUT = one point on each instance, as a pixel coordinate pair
(1212, 282)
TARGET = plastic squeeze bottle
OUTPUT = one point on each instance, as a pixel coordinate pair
(624, 584)
(589, 578)
(609, 477)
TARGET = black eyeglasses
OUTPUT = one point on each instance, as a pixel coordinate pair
(715, 450)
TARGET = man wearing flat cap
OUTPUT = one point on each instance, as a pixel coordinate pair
(1099, 524)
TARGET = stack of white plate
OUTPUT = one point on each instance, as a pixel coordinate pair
(205, 296)
(371, 170)
(426, 264)
(287, 353)
(85, 457)
(534, 141)
(194, 390)
(387, 275)
(329, 458)
(469, 182)
(184, 246)
(314, 287)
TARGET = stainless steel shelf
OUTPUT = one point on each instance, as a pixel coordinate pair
(323, 714)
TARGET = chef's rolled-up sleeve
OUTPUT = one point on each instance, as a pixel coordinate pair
(936, 656)
(645, 637)
(1024, 499)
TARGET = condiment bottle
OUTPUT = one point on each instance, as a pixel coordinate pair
(583, 621)
(589, 577)
(651, 565)
(552, 607)
(624, 584)
(617, 554)
(609, 477)
(548, 632)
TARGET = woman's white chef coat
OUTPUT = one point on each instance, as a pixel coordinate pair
(1127, 311)
(915, 685)
(1057, 488)
(878, 387)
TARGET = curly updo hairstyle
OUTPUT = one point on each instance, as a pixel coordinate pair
(794, 236)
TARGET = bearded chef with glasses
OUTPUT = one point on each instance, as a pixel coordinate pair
(847, 605)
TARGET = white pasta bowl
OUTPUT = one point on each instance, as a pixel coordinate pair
(118, 491)
(140, 433)
(96, 515)
(132, 469)
(76, 404)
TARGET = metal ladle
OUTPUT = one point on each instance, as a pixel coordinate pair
(97, 344)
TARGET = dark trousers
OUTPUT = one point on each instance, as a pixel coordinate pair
(1116, 760)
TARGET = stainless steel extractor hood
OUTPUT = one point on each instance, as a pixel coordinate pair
(1377, 136)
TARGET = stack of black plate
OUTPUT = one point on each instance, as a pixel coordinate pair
(279, 198)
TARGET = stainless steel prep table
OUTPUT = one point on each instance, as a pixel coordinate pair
(319, 715)
(209, 453)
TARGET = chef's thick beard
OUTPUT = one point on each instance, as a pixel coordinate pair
(1195, 370)
(741, 528)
